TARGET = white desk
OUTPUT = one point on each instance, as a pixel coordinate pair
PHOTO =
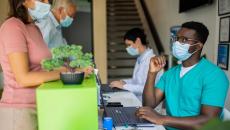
(127, 99)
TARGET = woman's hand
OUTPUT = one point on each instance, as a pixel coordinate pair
(117, 84)
(88, 70)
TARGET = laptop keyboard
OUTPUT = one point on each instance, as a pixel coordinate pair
(124, 116)
(106, 89)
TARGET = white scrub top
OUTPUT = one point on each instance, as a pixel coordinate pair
(137, 82)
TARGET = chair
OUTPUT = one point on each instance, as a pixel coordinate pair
(226, 113)
(226, 110)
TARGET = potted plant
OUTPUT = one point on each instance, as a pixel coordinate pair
(71, 57)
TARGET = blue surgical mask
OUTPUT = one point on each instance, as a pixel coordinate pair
(66, 22)
(181, 50)
(40, 11)
(132, 51)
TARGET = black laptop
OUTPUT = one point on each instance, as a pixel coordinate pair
(105, 88)
(125, 116)
(121, 115)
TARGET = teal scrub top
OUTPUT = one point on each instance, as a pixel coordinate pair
(205, 84)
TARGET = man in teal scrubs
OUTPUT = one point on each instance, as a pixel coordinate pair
(194, 91)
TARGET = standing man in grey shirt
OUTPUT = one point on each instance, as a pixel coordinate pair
(61, 15)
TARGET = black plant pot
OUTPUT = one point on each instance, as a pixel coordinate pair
(72, 78)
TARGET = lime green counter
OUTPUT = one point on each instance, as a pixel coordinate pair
(67, 107)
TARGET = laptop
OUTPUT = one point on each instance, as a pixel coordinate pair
(121, 115)
(105, 88)
(125, 116)
(102, 89)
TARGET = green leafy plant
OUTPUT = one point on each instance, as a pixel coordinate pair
(69, 56)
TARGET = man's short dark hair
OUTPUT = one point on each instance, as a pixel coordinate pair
(135, 33)
(201, 30)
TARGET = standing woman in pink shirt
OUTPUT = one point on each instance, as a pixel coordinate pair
(22, 48)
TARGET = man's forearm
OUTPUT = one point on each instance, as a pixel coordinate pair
(187, 123)
(149, 97)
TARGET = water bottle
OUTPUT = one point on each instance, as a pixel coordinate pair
(107, 123)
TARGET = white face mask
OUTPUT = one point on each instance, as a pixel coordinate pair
(40, 11)
(180, 50)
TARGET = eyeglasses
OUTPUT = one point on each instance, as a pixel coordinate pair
(182, 39)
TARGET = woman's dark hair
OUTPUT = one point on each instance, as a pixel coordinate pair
(201, 30)
(18, 10)
(135, 33)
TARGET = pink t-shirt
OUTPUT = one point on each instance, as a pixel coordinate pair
(15, 36)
